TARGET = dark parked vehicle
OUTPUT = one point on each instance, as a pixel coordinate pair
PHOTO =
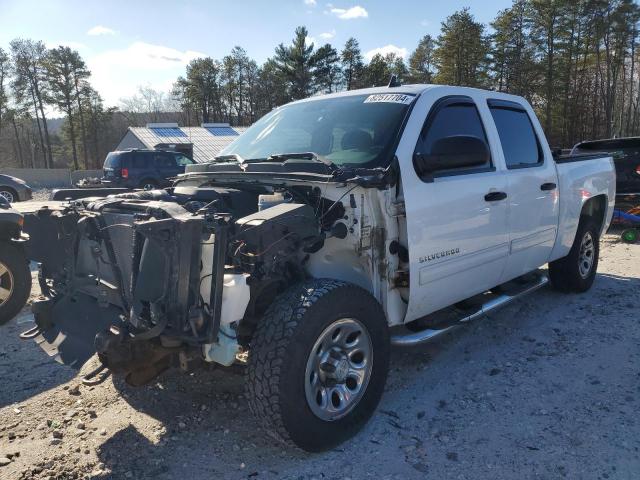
(146, 169)
(626, 156)
(13, 189)
(15, 276)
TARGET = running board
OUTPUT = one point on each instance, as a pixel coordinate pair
(423, 336)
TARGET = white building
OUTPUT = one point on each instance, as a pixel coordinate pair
(199, 143)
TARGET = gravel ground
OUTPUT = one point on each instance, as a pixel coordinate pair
(547, 388)
(42, 194)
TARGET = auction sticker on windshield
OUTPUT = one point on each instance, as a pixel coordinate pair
(389, 98)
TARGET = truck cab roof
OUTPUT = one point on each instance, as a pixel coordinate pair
(417, 89)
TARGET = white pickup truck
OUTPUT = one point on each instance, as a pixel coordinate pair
(331, 229)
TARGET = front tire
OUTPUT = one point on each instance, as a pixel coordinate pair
(318, 364)
(15, 281)
(577, 271)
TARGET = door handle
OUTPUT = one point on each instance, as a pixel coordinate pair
(545, 187)
(495, 196)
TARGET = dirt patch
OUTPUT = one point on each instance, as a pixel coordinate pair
(546, 388)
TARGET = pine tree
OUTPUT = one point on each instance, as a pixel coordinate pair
(513, 64)
(421, 61)
(30, 86)
(4, 76)
(462, 51)
(202, 87)
(352, 64)
(296, 63)
(62, 66)
(327, 72)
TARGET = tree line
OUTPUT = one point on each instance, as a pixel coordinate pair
(576, 61)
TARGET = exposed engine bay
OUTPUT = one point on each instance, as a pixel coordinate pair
(152, 278)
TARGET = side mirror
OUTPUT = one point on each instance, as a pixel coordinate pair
(457, 151)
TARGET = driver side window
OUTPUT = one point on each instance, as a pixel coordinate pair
(452, 116)
(183, 161)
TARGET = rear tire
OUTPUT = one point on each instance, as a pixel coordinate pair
(299, 387)
(148, 184)
(9, 194)
(577, 271)
(15, 281)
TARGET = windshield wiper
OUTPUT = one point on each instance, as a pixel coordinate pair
(282, 157)
(231, 156)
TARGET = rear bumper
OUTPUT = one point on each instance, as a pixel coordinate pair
(114, 182)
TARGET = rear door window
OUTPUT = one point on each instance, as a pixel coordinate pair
(139, 161)
(164, 160)
(520, 144)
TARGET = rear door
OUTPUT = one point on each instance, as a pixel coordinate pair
(457, 221)
(532, 189)
(166, 165)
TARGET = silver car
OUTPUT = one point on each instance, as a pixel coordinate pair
(14, 189)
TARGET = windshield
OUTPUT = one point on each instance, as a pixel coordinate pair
(354, 130)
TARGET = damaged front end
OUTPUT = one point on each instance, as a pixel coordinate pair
(139, 278)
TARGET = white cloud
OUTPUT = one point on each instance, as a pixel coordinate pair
(141, 55)
(399, 51)
(308, 40)
(117, 73)
(349, 13)
(328, 35)
(425, 23)
(311, 3)
(100, 30)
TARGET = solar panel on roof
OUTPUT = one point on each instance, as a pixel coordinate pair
(168, 132)
(222, 131)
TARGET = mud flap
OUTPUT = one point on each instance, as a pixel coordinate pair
(68, 327)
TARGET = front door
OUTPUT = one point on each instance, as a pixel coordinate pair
(457, 220)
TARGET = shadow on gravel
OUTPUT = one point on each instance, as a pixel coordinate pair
(25, 369)
(129, 451)
(207, 430)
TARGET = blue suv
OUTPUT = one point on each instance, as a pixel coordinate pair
(146, 169)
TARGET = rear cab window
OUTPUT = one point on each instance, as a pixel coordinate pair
(113, 160)
(520, 144)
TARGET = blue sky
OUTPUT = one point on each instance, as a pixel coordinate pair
(140, 42)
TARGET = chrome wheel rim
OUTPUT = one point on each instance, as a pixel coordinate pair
(587, 255)
(148, 186)
(6, 284)
(338, 369)
(8, 196)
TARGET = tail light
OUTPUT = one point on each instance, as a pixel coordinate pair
(638, 169)
(124, 173)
